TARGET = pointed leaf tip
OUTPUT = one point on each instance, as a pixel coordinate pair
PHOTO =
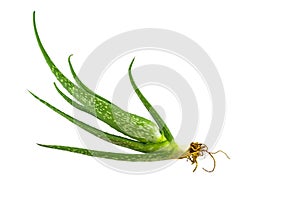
(130, 66)
(69, 58)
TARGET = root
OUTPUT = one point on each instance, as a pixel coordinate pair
(198, 149)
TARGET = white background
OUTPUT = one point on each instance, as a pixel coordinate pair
(255, 46)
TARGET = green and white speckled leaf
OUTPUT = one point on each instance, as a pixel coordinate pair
(124, 142)
(148, 157)
(129, 124)
(163, 128)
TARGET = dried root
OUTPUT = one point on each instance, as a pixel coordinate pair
(198, 149)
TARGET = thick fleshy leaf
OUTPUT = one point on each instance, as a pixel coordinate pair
(74, 103)
(124, 142)
(160, 122)
(147, 157)
(82, 85)
(129, 124)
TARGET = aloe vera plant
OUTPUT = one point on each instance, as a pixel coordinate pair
(153, 140)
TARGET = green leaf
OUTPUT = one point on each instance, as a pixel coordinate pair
(82, 85)
(74, 103)
(160, 122)
(124, 142)
(129, 124)
(167, 155)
